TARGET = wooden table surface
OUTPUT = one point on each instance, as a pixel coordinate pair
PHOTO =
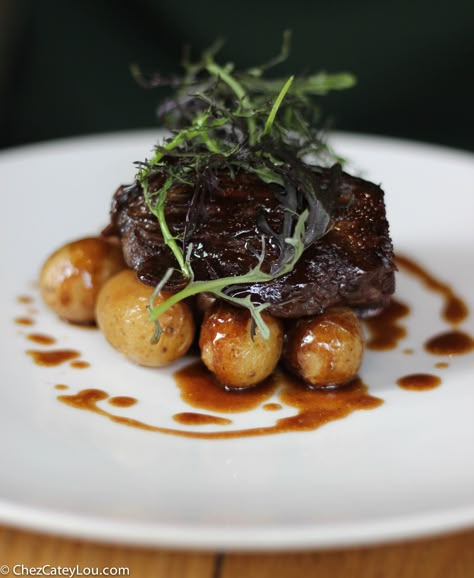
(449, 556)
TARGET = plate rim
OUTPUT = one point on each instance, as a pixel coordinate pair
(254, 538)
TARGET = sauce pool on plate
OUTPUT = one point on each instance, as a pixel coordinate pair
(308, 408)
(419, 381)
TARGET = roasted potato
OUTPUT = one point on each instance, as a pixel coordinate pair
(72, 276)
(326, 350)
(230, 352)
(122, 316)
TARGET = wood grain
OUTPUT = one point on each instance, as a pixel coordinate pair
(445, 557)
(449, 556)
(32, 549)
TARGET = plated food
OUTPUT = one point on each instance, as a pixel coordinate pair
(361, 454)
(241, 234)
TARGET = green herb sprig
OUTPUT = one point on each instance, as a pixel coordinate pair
(223, 122)
(218, 287)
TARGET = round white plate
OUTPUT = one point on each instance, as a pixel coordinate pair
(404, 469)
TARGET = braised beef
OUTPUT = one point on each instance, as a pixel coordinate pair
(351, 265)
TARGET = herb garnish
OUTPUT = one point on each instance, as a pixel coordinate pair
(224, 122)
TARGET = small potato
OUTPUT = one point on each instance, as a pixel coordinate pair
(72, 276)
(326, 350)
(227, 348)
(122, 316)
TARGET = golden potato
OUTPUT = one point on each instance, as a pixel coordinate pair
(326, 350)
(228, 350)
(122, 316)
(72, 276)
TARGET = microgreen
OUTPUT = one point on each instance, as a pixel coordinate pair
(276, 106)
(218, 287)
(223, 122)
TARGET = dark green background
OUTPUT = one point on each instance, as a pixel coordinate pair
(65, 64)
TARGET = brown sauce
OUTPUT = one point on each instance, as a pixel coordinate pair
(317, 407)
(90, 325)
(419, 381)
(61, 386)
(52, 358)
(385, 330)
(79, 364)
(442, 365)
(314, 408)
(41, 338)
(199, 388)
(122, 401)
(450, 343)
(272, 406)
(25, 299)
(454, 309)
(24, 321)
(192, 418)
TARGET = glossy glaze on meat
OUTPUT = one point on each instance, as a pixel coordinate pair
(351, 265)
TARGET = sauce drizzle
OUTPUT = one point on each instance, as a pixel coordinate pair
(122, 401)
(385, 330)
(199, 388)
(192, 418)
(272, 406)
(52, 358)
(315, 408)
(419, 381)
(312, 407)
(41, 338)
(450, 343)
(24, 321)
(454, 309)
(25, 299)
(80, 364)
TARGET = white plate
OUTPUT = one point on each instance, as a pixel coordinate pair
(404, 469)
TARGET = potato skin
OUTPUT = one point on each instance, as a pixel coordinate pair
(326, 350)
(71, 278)
(123, 318)
(227, 348)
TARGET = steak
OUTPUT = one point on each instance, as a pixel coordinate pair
(351, 265)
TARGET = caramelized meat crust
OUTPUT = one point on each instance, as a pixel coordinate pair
(351, 265)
